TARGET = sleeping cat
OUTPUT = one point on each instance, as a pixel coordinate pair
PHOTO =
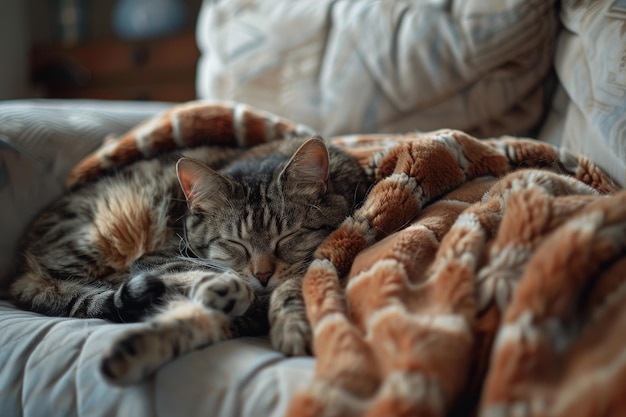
(200, 255)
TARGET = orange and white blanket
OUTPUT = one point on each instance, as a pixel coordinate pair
(479, 277)
(472, 283)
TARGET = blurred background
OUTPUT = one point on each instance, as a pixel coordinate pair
(122, 49)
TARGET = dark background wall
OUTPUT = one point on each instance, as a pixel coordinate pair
(26, 25)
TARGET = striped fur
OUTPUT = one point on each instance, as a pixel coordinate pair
(185, 126)
(200, 255)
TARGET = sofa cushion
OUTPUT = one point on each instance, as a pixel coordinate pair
(589, 112)
(377, 66)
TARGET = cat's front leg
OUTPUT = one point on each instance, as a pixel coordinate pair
(290, 331)
(202, 317)
(182, 327)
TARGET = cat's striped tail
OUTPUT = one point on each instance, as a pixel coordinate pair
(183, 126)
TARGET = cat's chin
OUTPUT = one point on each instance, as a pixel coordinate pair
(262, 290)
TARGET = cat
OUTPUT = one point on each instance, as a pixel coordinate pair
(202, 248)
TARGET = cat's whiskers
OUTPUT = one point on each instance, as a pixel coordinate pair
(317, 208)
(184, 248)
(356, 200)
(203, 262)
(185, 241)
(183, 245)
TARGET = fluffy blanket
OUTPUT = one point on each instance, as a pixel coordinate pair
(480, 277)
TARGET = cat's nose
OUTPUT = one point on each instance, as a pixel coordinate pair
(263, 277)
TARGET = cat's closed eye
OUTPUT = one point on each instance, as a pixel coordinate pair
(285, 242)
(299, 245)
(229, 252)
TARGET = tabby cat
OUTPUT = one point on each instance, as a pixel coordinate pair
(199, 253)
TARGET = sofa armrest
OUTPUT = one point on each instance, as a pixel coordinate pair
(40, 141)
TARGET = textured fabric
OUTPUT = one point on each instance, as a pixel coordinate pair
(49, 367)
(467, 285)
(589, 112)
(186, 125)
(382, 66)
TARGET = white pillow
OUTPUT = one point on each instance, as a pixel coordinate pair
(589, 113)
(362, 66)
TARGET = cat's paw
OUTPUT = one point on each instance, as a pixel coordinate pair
(138, 296)
(225, 292)
(180, 328)
(131, 359)
(291, 334)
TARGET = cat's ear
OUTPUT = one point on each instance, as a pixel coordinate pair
(203, 187)
(307, 171)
